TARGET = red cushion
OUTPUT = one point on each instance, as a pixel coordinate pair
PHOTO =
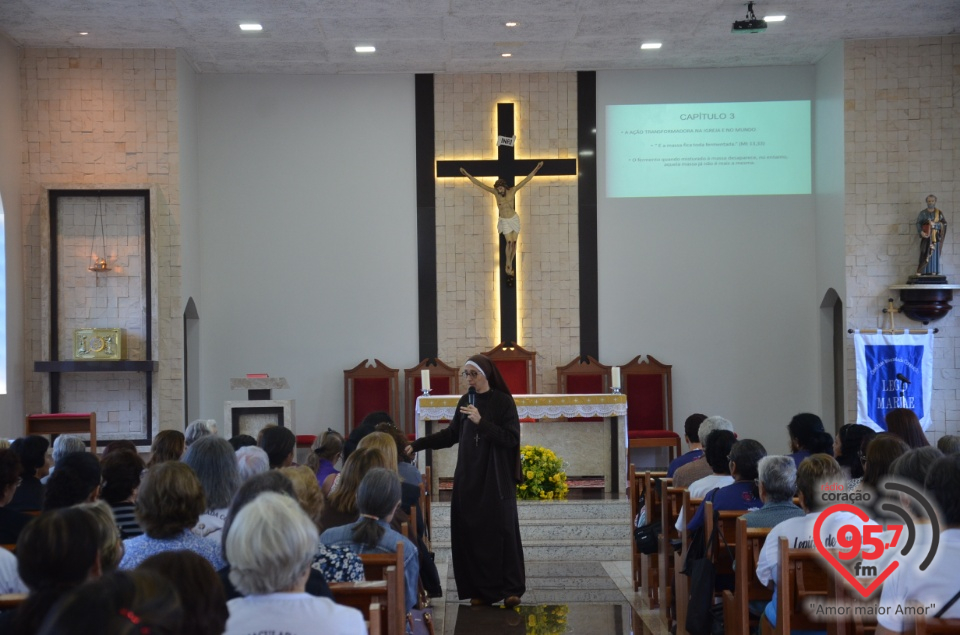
(305, 440)
(645, 402)
(652, 434)
(515, 374)
(369, 395)
(584, 384)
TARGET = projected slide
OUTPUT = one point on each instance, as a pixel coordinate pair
(717, 149)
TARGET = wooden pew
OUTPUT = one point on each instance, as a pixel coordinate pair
(802, 578)
(736, 614)
(641, 488)
(9, 601)
(389, 567)
(937, 626)
(671, 503)
(363, 596)
(681, 583)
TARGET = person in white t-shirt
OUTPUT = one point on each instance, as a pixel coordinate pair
(270, 548)
(908, 586)
(814, 472)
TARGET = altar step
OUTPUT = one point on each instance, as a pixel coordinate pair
(595, 530)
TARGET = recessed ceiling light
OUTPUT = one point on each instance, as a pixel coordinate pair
(511, 24)
(365, 49)
(650, 45)
(774, 18)
(251, 27)
(506, 55)
(84, 33)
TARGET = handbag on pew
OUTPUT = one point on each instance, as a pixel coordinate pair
(647, 539)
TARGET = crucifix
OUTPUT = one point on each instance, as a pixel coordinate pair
(506, 167)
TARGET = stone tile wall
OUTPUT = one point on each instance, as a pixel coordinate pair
(902, 129)
(104, 118)
(467, 238)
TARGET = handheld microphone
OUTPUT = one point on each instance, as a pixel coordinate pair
(902, 378)
(472, 395)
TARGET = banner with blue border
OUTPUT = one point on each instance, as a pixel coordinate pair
(893, 371)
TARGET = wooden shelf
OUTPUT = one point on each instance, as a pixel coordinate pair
(100, 366)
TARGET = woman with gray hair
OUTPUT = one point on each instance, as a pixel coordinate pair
(199, 429)
(778, 483)
(251, 460)
(270, 548)
(215, 464)
(377, 499)
(62, 446)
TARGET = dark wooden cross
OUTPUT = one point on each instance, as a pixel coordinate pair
(507, 167)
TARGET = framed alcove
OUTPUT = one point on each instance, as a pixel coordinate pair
(78, 226)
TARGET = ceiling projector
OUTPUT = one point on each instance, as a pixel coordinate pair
(750, 24)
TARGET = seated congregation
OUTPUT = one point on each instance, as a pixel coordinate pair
(212, 536)
(729, 539)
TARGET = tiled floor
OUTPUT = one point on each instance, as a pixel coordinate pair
(589, 598)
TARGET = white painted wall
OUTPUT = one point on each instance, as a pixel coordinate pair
(308, 228)
(11, 404)
(722, 288)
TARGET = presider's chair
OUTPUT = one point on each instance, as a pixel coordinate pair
(649, 390)
(583, 376)
(518, 367)
(443, 381)
(368, 388)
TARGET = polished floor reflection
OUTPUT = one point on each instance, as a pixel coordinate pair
(588, 598)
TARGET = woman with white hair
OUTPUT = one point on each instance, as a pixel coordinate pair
(270, 548)
(251, 460)
(199, 429)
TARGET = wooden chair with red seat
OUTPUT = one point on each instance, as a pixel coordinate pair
(649, 390)
(443, 381)
(368, 388)
(517, 365)
(583, 376)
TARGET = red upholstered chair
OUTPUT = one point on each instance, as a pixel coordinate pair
(367, 388)
(443, 381)
(518, 367)
(583, 376)
(649, 390)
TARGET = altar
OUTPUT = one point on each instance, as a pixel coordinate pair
(588, 448)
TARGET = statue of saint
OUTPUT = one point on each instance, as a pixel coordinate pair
(509, 223)
(931, 226)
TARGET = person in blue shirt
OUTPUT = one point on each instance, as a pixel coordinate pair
(691, 428)
(742, 494)
(377, 500)
(808, 437)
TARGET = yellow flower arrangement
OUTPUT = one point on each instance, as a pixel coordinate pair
(545, 478)
(544, 619)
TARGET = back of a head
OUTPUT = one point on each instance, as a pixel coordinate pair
(941, 484)
(400, 440)
(32, 450)
(778, 475)
(111, 547)
(270, 545)
(746, 455)
(198, 429)
(883, 450)
(911, 468)
(813, 472)
(709, 425)
(76, 477)
(251, 460)
(806, 429)
(328, 445)
(949, 444)
(309, 494)
(168, 445)
(66, 444)
(269, 481)
(10, 468)
(377, 498)
(170, 500)
(242, 441)
(344, 498)
(136, 602)
(691, 427)
(384, 443)
(904, 423)
(279, 443)
(199, 587)
(851, 440)
(58, 548)
(215, 464)
(120, 473)
(719, 445)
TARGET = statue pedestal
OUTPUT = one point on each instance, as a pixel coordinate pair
(925, 302)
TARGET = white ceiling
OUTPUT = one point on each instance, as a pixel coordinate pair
(436, 36)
